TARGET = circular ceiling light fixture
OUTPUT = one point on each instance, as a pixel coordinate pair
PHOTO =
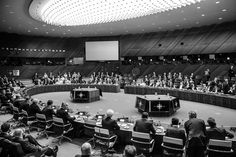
(87, 12)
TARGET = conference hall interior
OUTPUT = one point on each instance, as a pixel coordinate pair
(117, 78)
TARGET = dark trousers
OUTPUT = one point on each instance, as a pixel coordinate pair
(195, 152)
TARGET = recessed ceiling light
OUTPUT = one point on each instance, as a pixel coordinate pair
(203, 14)
(217, 2)
(224, 10)
(220, 18)
(59, 12)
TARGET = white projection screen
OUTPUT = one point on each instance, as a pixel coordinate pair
(102, 50)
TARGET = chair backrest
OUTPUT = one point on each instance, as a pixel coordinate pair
(139, 136)
(41, 117)
(220, 145)
(58, 120)
(142, 141)
(15, 110)
(89, 127)
(174, 143)
(12, 149)
(102, 133)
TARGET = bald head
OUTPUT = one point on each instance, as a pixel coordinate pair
(110, 113)
(86, 149)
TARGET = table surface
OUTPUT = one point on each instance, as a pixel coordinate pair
(157, 97)
(85, 89)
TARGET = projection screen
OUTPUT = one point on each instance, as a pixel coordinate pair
(102, 50)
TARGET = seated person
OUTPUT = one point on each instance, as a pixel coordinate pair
(48, 110)
(34, 108)
(6, 133)
(216, 133)
(144, 125)
(63, 113)
(86, 150)
(25, 104)
(129, 151)
(31, 147)
(109, 123)
(175, 131)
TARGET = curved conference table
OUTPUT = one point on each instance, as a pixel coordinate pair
(223, 100)
(68, 87)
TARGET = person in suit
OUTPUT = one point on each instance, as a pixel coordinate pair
(144, 125)
(216, 133)
(25, 105)
(109, 123)
(175, 131)
(196, 136)
(34, 108)
(48, 110)
(6, 133)
(63, 113)
(29, 147)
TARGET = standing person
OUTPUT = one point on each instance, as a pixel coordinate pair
(196, 136)
(144, 125)
(231, 72)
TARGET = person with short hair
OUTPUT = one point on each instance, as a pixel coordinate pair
(216, 133)
(63, 113)
(129, 151)
(34, 108)
(109, 123)
(5, 131)
(144, 125)
(196, 134)
(48, 110)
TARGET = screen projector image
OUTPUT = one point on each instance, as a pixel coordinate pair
(102, 51)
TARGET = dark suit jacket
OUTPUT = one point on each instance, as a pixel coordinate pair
(61, 113)
(48, 112)
(144, 125)
(196, 132)
(24, 106)
(110, 124)
(176, 132)
(218, 133)
(27, 147)
(33, 109)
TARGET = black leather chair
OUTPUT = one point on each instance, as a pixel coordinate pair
(103, 139)
(172, 147)
(61, 129)
(143, 142)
